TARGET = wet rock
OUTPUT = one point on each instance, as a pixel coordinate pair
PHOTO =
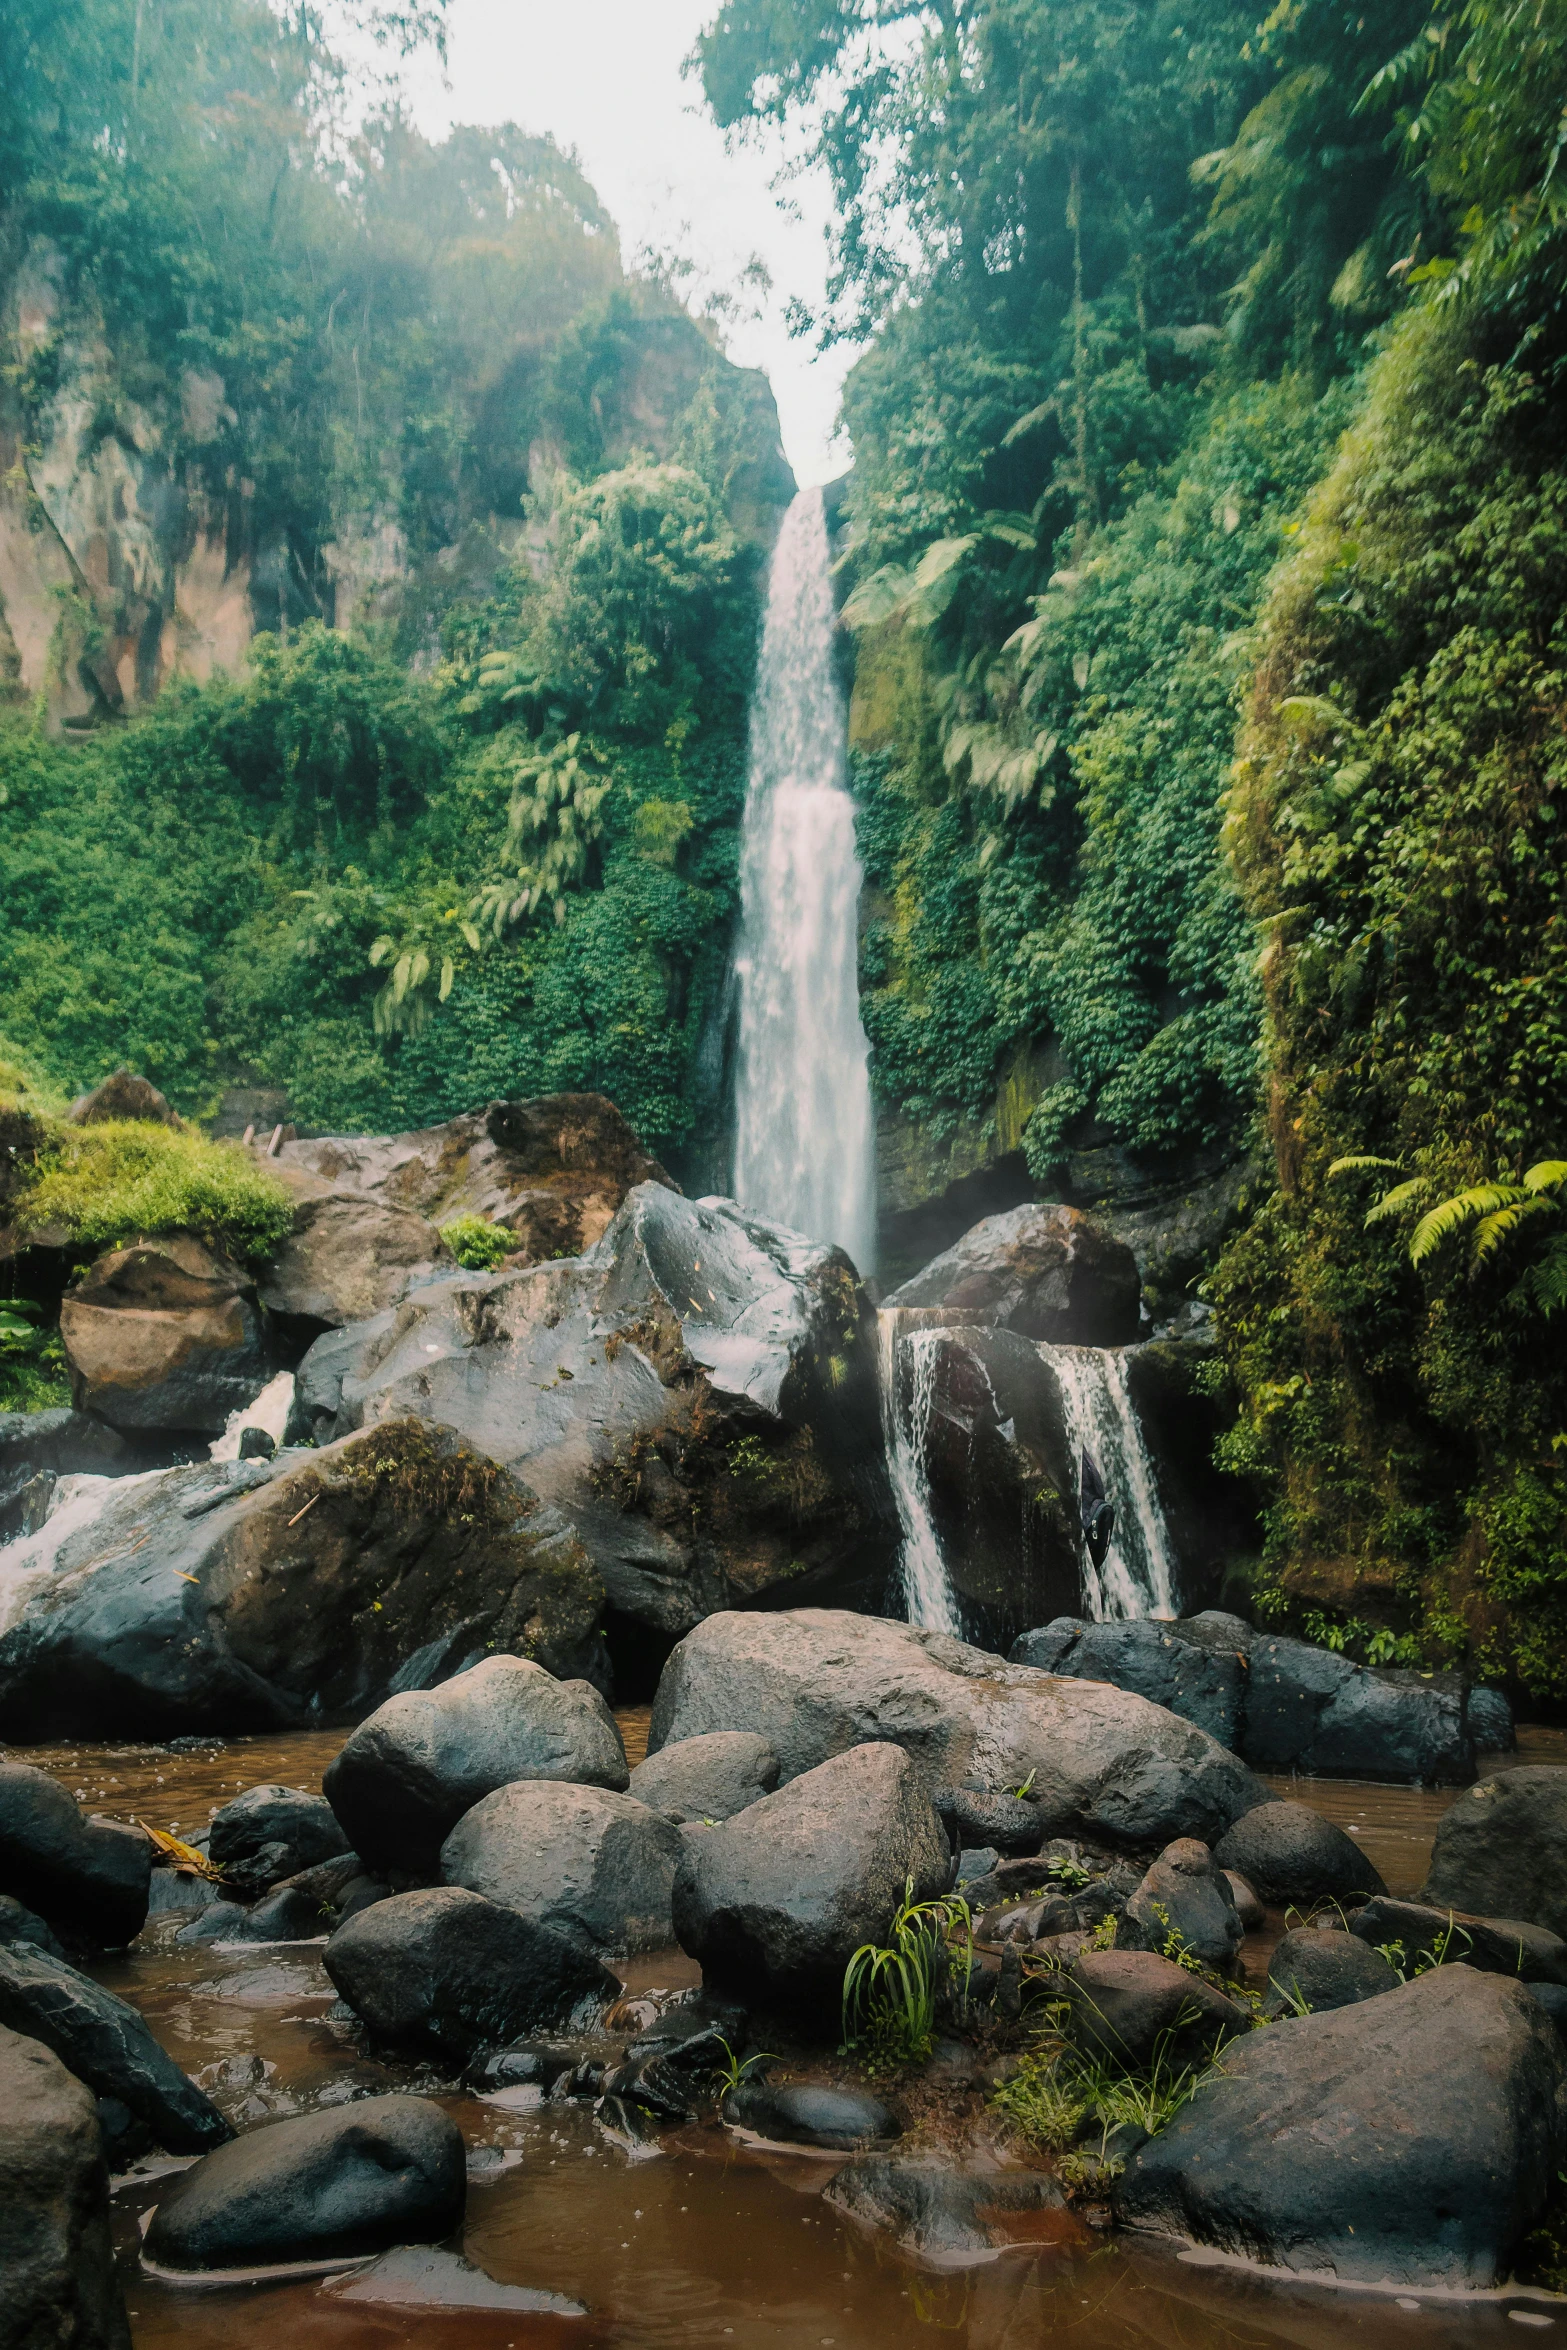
(269, 1833)
(777, 1900)
(301, 1908)
(407, 1775)
(1003, 1821)
(591, 1863)
(1248, 1903)
(707, 1778)
(89, 1878)
(49, 1445)
(259, 1595)
(355, 2179)
(164, 1335)
(1324, 1969)
(1133, 2007)
(814, 1682)
(446, 1967)
(219, 1921)
(1493, 1946)
(1291, 1853)
(105, 2043)
(950, 2215)
(1552, 1997)
(664, 2074)
(697, 1394)
(1501, 1849)
(18, 1924)
(416, 2277)
(1044, 1271)
(1490, 1720)
(1201, 1686)
(55, 2254)
(125, 1094)
(805, 2113)
(349, 1257)
(1409, 2139)
(1186, 1897)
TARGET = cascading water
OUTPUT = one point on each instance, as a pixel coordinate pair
(805, 1135)
(1138, 1574)
(908, 1387)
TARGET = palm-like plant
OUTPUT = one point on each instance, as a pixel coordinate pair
(1494, 1214)
(889, 1989)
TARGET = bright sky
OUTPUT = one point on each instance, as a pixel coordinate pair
(603, 77)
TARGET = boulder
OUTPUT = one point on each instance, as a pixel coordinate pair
(407, 1775)
(806, 2113)
(1044, 1271)
(300, 1908)
(1501, 1850)
(89, 1878)
(1490, 1720)
(1134, 2008)
(260, 1595)
(61, 2291)
(1186, 1896)
(19, 1924)
(1290, 1853)
(951, 2215)
(815, 1682)
(1317, 1969)
(321, 2187)
(775, 1901)
(38, 1448)
(270, 1833)
(349, 1257)
(707, 1778)
(1439, 1937)
(992, 1819)
(164, 1335)
(105, 2043)
(125, 1095)
(1202, 1686)
(698, 1395)
(1408, 2139)
(449, 1969)
(1248, 1903)
(590, 1864)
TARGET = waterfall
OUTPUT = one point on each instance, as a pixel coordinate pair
(1138, 1575)
(804, 1131)
(927, 1594)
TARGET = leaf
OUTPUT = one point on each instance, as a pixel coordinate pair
(1403, 1195)
(1357, 1166)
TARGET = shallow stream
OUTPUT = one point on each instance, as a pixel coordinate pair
(699, 2242)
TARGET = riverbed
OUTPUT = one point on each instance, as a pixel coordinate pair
(695, 2243)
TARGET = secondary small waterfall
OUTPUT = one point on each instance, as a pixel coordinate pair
(1138, 1575)
(908, 1386)
(805, 1135)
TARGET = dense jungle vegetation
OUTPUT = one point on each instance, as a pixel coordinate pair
(1204, 556)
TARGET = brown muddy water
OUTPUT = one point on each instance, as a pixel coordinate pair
(697, 2243)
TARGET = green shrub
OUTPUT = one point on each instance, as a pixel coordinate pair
(125, 1180)
(477, 1244)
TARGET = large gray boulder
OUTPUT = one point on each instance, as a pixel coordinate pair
(1317, 1969)
(1501, 1850)
(708, 1778)
(164, 1335)
(775, 1901)
(320, 2187)
(349, 1257)
(1287, 1852)
(815, 1682)
(1185, 1905)
(449, 1969)
(590, 1864)
(259, 1595)
(697, 1393)
(1282, 1704)
(1042, 1270)
(407, 1775)
(1410, 2139)
(56, 2259)
(105, 2043)
(88, 1878)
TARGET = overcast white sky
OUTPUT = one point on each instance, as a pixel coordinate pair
(603, 76)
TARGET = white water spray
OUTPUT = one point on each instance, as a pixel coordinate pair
(1138, 1574)
(805, 1136)
(908, 1388)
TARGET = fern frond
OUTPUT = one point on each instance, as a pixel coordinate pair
(1360, 1166)
(1403, 1195)
(1452, 1215)
(1545, 1175)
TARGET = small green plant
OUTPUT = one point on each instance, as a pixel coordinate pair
(889, 1990)
(734, 2068)
(32, 1360)
(1060, 2097)
(1022, 1793)
(478, 1245)
(1069, 1874)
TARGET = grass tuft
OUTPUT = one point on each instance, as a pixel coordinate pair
(125, 1180)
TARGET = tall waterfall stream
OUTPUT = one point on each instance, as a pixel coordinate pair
(1138, 1574)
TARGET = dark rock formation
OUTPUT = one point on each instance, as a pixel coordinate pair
(1407, 2139)
(348, 1257)
(990, 1819)
(264, 1594)
(163, 1335)
(777, 1900)
(122, 1095)
(20, 1924)
(446, 1968)
(804, 2113)
(1289, 1852)
(358, 2178)
(56, 2258)
(407, 1775)
(1492, 1946)
(1186, 1897)
(708, 1778)
(105, 2043)
(1201, 1685)
(1319, 1969)
(1131, 2007)
(1501, 1850)
(1044, 1271)
(949, 2214)
(269, 1833)
(595, 1866)
(814, 1682)
(89, 1878)
(38, 1447)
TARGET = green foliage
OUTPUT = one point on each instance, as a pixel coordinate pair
(33, 1375)
(125, 1179)
(890, 1989)
(477, 1244)
(1059, 2098)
